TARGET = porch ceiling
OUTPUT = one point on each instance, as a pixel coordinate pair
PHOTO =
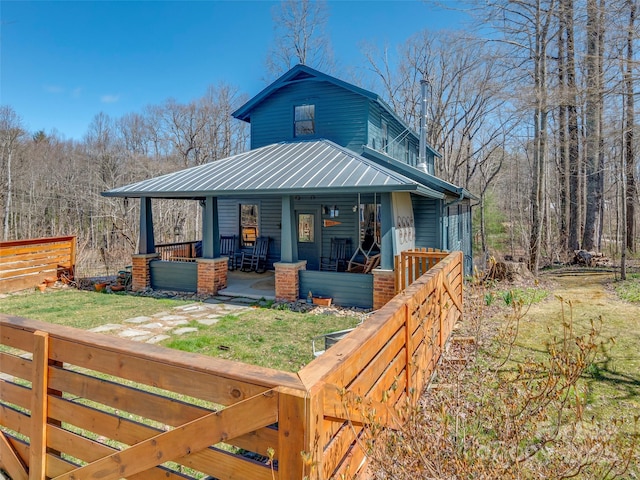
(314, 167)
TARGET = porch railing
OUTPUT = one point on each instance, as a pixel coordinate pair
(412, 264)
(178, 252)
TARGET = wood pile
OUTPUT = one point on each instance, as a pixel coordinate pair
(507, 270)
(590, 259)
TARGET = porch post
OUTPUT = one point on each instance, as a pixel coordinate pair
(210, 229)
(386, 232)
(384, 276)
(140, 268)
(288, 238)
(146, 242)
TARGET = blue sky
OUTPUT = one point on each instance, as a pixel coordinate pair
(63, 62)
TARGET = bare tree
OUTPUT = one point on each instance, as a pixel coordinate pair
(300, 37)
(11, 132)
(593, 116)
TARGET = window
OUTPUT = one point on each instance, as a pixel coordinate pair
(305, 227)
(304, 121)
(385, 136)
(248, 224)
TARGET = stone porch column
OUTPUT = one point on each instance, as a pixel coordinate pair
(288, 280)
(384, 287)
(140, 270)
(212, 275)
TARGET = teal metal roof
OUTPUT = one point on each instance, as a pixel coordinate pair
(418, 175)
(284, 168)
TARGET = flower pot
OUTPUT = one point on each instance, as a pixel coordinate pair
(100, 287)
(50, 281)
(322, 301)
(117, 288)
(42, 287)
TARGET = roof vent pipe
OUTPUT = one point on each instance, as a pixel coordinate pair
(422, 148)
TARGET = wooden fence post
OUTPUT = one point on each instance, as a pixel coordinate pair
(295, 456)
(39, 388)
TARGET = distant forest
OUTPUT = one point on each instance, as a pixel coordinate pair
(533, 110)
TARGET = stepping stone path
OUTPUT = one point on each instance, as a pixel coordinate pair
(164, 325)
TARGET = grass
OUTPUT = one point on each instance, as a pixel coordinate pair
(613, 381)
(82, 309)
(269, 338)
(629, 289)
(279, 339)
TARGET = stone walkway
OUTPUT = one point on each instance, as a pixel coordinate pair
(164, 325)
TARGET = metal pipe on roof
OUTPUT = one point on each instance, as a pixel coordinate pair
(422, 147)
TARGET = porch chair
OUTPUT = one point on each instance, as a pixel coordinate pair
(228, 249)
(337, 259)
(256, 261)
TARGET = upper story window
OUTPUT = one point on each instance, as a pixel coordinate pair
(304, 122)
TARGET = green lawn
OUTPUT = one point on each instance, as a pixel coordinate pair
(82, 309)
(267, 337)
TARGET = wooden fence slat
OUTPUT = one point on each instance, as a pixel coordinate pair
(238, 419)
(129, 399)
(39, 388)
(16, 366)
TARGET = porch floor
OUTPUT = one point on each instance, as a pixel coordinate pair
(250, 285)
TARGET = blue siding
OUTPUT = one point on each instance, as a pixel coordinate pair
(398, 148)
(178, 276)
(347, 218)
(346, 289)
(426, 212)
(340, 115)
(269, 217)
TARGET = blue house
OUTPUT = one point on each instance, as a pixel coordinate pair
(332, 171)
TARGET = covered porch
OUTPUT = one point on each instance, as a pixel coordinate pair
(304, 199)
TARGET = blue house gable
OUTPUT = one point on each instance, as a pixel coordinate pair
(305, 104)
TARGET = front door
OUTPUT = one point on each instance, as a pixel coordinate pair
(309, 237)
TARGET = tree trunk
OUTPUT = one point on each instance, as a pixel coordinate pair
(592, 126)
(629, 157)
(573, 134)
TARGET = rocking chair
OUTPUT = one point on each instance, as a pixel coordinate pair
(338, 257)
(256, 261)
(228, 249)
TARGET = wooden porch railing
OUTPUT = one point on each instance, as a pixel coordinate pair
(82, 405)
(411, 264)
(177, 252)
(26, 263)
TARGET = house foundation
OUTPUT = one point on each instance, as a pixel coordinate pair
(288, 280)
(212, 275)
(140, 271)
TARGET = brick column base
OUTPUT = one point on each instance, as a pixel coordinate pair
(384, 287)
(288, 280)
(140, 271)
(212, 275)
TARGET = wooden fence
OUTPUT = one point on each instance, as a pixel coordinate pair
(80, 405)
(26, 263)
(411, 264)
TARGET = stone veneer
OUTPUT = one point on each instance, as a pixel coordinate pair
(140, 271)
(288, 280)
(212, 275)
(384, 287)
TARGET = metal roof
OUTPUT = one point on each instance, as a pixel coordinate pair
(319, 166)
